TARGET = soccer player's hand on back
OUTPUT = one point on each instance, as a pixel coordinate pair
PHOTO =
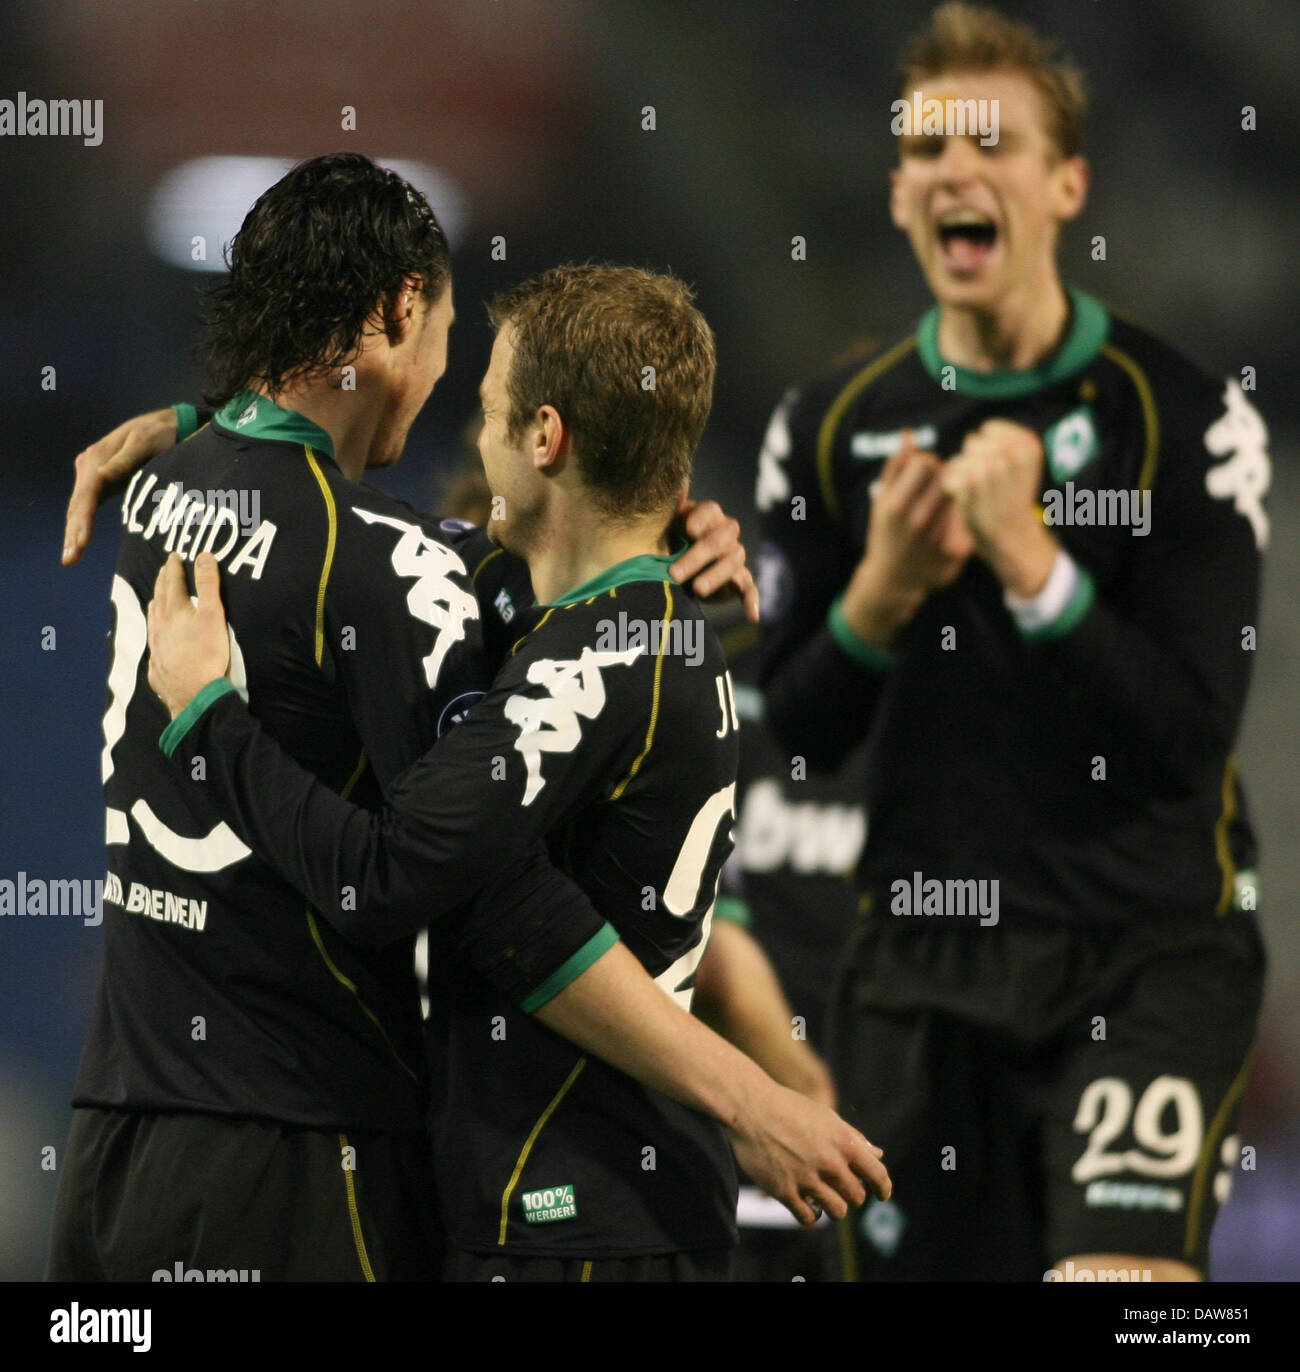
(107, 462)
(189, 644)
(806, 1156)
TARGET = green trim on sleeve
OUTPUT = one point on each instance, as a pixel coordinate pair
(1075, 608)
(189, 716)
(187, 420)
(733, 910)
(876, 659)
(593, 950)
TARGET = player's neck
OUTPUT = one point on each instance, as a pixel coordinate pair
(572, 546)
(1013, 335)
(349, 418)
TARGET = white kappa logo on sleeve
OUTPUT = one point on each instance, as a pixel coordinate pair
(1244, 477)
(435, 599)
(549, 724)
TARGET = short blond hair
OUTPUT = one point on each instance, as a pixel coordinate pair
(584, 338)
(977, 38)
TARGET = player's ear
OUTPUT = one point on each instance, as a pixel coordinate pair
(1071, 177)
(400, 307)
(550, 440)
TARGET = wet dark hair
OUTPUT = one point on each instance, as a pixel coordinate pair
(308, 267)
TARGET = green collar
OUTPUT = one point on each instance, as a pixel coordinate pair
(646, 567)
(255, 415)
(1089, 326)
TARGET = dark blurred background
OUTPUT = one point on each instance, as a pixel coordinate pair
(524, 120)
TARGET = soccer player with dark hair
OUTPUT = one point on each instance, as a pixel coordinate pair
(252, 1092)
(1023, 549)
(610, 733)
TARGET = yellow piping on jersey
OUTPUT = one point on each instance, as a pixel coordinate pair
(355, 777)
(197, 431)
(343, 980)
(586, 1271)
(1208, 1150)
(1222, 847)
(354, 1215)
(831, 420)
(528, 1145)
(1150, 415)
(332, 514)
(654, 703)
(496, 552)
(533, 630)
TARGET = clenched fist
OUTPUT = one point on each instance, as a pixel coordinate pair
(995, 481)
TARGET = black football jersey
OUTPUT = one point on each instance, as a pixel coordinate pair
(609, 740)
(355, 640)
(1084, 764)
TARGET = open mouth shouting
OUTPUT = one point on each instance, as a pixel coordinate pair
(967, 240)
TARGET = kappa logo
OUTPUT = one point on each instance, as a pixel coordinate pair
(436, 598)
(549, 724)
(1244, 478)
(773, 480)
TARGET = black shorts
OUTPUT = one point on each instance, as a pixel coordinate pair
(705, 1264)
(193, 1197)
(1043, 1093)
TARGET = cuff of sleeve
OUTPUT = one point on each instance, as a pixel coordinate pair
(593, 950)
(1065, 598)
(189, 716)
(862, 652)
(734, 909)
(187, 421)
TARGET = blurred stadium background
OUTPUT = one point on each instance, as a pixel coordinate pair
(524, 120)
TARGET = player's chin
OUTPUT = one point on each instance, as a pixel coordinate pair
(964, 286)
(386, 454)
